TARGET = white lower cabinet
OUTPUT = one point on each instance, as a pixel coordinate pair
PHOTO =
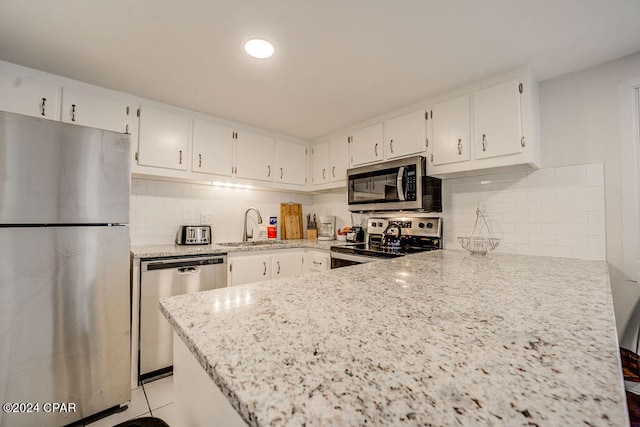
(286, 264)
(248, 268)
(316, 260)
(251, 267)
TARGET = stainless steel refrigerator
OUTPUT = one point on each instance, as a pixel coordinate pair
(64, 270)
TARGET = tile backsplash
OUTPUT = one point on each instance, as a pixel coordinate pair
(552, 212)
(158, 207)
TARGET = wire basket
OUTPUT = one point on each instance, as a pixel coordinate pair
(477, 244)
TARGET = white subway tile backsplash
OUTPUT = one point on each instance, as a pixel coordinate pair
(552, 212)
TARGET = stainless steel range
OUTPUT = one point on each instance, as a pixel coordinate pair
(389, 238)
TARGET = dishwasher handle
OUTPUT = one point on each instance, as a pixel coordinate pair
(180, 263)
(188, 270)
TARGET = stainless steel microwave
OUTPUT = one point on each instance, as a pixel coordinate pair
(394, 186)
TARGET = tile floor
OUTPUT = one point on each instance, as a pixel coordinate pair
(154, 399)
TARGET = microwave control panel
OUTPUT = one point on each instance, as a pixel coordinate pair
(412, 181)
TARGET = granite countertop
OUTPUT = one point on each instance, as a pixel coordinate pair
(157, 251)
(437, 338)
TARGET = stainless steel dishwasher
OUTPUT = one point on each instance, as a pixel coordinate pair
(165, 277)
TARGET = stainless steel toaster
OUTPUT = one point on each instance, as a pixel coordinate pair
(193, 235)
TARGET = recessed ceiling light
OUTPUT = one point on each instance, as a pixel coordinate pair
(259, 48)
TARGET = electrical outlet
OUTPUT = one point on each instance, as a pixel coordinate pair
(206, 218)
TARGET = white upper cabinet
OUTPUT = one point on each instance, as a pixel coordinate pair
(450, 131)
(96, 111)
(291, 163)
(212, 148)
(497, 120)
(163, 139)
(28, 96)
(504, 124)
(338, 158)
(367, 145)
(405, 135)
(255, 156)
(320, 163)
(329, 161)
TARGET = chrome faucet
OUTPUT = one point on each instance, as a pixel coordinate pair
(245, 234)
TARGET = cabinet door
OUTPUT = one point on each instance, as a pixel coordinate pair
(286, 265)
(316, 260)
(212, 148)
(366, 145)
(339, 158)
(249, 269)
(497, 120)
(96, 111)
(291, 163)
(27, 96)
(163, 139)
(255, 156)
(450, 125)
(320, 163)
(405, 135)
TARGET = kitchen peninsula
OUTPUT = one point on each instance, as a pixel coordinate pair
(438, 338)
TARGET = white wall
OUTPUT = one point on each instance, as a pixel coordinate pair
(580, 123)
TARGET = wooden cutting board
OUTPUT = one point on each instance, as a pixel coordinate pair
(291, 217)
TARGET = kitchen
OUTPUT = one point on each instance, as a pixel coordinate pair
(584, 155)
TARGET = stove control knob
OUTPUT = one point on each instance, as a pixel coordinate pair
(429, 225)
(421, 224)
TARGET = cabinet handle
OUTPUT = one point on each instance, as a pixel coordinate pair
(431, 157)
(391, 145)
(180, 159)
(199, 160)
(42, 106)
(375, 149)
(281, 173)
(278, 262)
(73, 112)
(317, 263)
(324, 175)
(484, 142)
(269, 171)
(523, 142)
(459, 147)
(333, 171)
(264, 273)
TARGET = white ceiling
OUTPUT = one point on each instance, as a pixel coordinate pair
(337, 62)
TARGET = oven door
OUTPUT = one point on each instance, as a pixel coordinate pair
(344, 260)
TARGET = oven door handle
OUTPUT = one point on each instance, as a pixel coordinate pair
(400, 183)
(354, 258)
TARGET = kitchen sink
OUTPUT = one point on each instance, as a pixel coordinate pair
(252, 243)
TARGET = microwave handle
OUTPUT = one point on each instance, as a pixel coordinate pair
(400, 183)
